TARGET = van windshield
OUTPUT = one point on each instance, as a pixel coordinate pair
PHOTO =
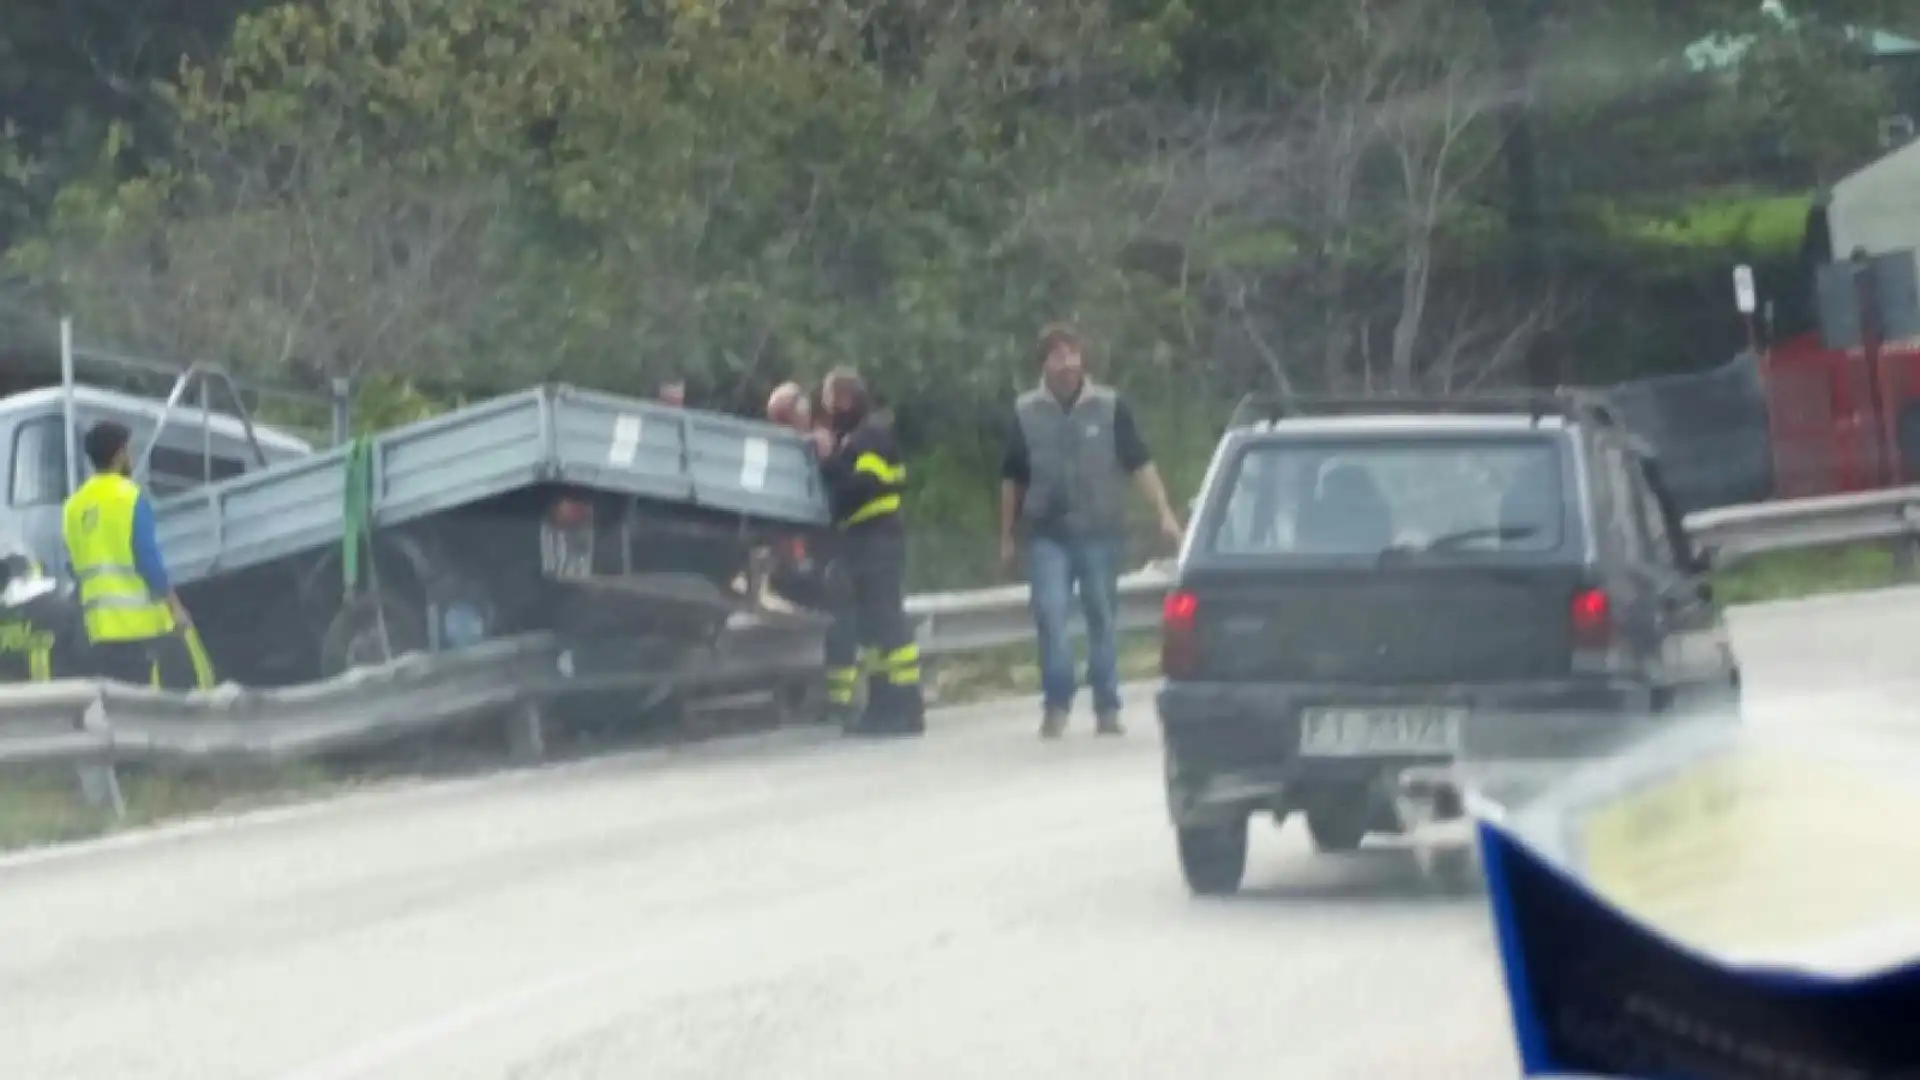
(1353, 498)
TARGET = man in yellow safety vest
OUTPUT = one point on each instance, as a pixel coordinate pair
(139, 630)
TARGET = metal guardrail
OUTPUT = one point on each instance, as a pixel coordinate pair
(960, 622)
(363, 707)
(93, 725)
(987, 618)
(1738, 532)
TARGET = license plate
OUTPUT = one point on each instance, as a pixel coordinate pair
(1341, 732)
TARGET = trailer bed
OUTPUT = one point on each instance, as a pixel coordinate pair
(549, 434)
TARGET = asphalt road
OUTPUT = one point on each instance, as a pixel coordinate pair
(978, 904)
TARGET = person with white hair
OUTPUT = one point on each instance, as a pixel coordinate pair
(800, 573)
(789, 406)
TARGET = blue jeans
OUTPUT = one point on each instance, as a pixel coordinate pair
(1055, 568)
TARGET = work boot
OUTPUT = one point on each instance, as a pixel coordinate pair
(1107, 722)
(894, 710)
(845, 717)
(910, 727)
(886, 725)
(1053, 723)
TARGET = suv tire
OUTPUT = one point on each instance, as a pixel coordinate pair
(1456, 872)
(1338, 825)
(1213, 858)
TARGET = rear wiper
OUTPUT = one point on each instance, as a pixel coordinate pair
(1452, 540)
(1449, 541)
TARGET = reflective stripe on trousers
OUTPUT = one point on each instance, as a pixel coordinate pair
(900, 667)
(203, 677)
(841, 684)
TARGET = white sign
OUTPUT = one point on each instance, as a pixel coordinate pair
(1743, 293)
(753, 464)
(626, 441)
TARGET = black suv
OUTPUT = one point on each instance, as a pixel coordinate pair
(1362, 577)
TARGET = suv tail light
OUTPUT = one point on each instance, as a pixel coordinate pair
(1590, 617)
(1179, 635)
(1590, 631)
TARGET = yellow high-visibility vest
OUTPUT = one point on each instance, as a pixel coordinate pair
(97, 523)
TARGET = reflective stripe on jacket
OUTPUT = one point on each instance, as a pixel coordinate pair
(865, 477)
(98, 526)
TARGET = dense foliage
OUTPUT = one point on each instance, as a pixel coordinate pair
(441, 197)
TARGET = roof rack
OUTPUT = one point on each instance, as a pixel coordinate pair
(1573, 403)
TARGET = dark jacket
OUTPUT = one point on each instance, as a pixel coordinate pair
(866, 479)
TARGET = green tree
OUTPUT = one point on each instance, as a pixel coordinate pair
(596, 187)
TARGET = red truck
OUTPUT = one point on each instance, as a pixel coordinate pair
(1832, 425)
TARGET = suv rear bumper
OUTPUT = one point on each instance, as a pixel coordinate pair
(1233, 747)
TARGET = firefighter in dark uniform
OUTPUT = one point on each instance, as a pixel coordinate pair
(40, 633)
(866, 483)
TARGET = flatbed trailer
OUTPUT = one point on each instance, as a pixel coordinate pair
(616, 523)
(513, 516)
(751, 475)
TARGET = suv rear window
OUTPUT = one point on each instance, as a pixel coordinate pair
(1332, 498)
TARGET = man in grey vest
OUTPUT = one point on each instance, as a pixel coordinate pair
(1071, 446)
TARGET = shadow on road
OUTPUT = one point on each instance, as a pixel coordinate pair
(1376, 875)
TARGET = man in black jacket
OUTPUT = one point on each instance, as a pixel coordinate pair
(866, 484)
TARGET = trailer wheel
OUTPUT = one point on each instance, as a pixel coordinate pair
(354, 639)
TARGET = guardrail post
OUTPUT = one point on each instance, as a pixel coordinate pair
(527, 733)
(923, 636)
(1906, 558)
(99, 782)
(1906, 547)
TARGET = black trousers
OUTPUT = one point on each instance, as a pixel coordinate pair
(871, 633)
(22, 667)
(135, 662)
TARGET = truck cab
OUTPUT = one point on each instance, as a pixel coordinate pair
(192, 448)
